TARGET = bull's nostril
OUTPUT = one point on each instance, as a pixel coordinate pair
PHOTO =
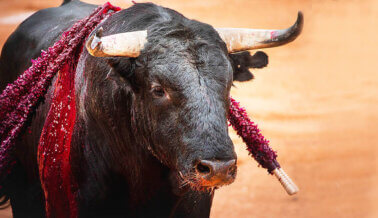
(232, 170)
(203, 169)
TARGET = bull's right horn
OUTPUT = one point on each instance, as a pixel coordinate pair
(241, 39)
(127, 44)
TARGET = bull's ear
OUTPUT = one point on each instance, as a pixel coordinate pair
(124, 67)
(122, 70)
(242, 61)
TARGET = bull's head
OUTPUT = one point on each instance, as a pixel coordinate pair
(180, 72)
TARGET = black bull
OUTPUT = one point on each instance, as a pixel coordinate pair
(151, 136)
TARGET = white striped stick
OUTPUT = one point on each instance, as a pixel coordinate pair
(285, 181)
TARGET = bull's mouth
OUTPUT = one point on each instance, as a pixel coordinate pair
(208, 175)
(205, 175)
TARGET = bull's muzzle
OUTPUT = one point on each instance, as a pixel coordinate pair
(213, 173)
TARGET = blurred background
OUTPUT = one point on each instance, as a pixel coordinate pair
(317, 103)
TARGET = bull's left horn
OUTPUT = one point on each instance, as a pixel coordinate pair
(127, 44)
(240, 39)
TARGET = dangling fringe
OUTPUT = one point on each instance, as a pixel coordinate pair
(257, 145)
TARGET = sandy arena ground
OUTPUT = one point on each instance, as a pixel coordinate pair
(317, 102)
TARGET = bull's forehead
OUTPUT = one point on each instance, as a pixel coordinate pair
(181, 66)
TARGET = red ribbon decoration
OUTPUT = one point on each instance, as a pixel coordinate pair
(55, 142)
(55, 145)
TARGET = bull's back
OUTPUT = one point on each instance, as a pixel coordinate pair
(37, 33)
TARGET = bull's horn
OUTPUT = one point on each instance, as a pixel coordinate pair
(240, 39)
(127, 44)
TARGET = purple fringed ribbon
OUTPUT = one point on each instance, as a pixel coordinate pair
(257, 145)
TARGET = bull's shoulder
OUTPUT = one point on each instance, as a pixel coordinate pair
(36, 33)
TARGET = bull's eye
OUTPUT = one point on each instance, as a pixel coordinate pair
(157, 92)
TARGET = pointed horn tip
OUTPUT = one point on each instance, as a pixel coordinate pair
(88, 43)
(290, 34)
(99, 32)
(93, 43)
(89, 47)
(299, 22)
(295, 30)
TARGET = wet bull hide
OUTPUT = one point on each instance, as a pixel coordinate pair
(151, 137)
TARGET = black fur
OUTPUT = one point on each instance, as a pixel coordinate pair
(66, 1)
(243, 61)
(131, 142)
